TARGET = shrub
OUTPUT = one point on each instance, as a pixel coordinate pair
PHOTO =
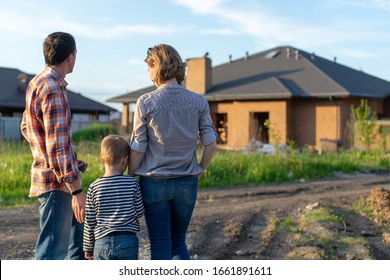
(365, 121)
(95, 132)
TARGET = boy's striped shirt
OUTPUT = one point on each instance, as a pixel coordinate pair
(113, 204)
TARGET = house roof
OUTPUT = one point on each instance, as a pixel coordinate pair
(13, 84)
(274, 74)
(131, 97)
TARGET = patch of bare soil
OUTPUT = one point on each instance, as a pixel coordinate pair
(311, 220)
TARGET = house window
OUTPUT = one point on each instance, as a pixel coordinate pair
(93, 117)
(222, 128)
(258, 131)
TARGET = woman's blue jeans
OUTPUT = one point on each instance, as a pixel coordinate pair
(169, 204)
(61, 236)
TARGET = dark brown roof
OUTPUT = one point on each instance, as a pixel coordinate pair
(132, 96)
(13, 85)
(273, 74)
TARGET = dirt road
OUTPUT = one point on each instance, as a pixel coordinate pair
(257, 222)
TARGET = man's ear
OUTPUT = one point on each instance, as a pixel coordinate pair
(71, 57)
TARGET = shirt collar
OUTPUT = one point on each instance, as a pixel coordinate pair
(56, 76)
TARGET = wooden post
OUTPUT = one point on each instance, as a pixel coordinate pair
(125, 118)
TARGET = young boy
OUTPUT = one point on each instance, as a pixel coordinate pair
(113, 207)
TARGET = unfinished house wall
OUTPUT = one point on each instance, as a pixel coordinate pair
(241, 116)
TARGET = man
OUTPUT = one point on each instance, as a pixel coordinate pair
(55, 172)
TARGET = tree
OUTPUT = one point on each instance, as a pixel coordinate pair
(364, 120)
(274, 135)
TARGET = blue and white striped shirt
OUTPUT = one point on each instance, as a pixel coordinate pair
(113, 204)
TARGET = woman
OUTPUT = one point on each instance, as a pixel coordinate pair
(167, 123)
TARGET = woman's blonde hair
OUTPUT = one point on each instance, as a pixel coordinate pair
(113, 149)
(167, 62)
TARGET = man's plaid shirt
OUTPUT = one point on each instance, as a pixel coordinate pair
(47, 126)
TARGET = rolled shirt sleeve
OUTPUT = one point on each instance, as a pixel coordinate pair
(139, 138)
(207, 131)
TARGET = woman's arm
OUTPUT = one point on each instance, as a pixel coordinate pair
(134, 161)
(208, 153)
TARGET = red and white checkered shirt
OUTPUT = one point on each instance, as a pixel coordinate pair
(47, 126)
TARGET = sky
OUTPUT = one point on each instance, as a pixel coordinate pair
(112, 36)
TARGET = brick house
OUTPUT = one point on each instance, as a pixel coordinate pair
(306, 98)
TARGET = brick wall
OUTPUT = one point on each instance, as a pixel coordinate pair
(309, 122)
(304, 120)
(199, 75)
(239, 119)
(320, 121)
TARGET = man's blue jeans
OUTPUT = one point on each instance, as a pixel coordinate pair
(61, 236)
(169, 204)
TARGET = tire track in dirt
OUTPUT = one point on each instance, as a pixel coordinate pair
(231, 223)
(237, 223)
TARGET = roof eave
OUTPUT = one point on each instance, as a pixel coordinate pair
(123, 100)
(257, 96)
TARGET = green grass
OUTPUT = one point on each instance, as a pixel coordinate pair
(289, 225)
(15, 164)
(226, 170)
(324, 214)
(360, 207)
(237, 168)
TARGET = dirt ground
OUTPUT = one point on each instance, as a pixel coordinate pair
(270, 222)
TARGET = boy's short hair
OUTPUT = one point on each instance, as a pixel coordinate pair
(113, 149)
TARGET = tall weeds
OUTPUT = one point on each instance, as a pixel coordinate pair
(226, 170)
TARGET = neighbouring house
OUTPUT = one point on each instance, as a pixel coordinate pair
(13, 85)
(304, 98)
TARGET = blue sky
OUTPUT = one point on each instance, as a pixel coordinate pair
(112, 36)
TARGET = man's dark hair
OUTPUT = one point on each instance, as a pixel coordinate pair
(57, 47)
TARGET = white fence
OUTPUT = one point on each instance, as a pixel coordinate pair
(10, 127)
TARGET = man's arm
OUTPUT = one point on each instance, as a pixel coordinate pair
(59, 149)
(78, 205)
(23, 127)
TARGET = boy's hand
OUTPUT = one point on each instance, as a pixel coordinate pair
(88, 255)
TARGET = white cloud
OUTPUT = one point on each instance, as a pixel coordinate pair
(136, 61)
(17, 24)
(383, 5)
(266, 28)
(200, 6)
(122, 30)
(39, 26)
(221, 31)
(269, 29)
(354, 53)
